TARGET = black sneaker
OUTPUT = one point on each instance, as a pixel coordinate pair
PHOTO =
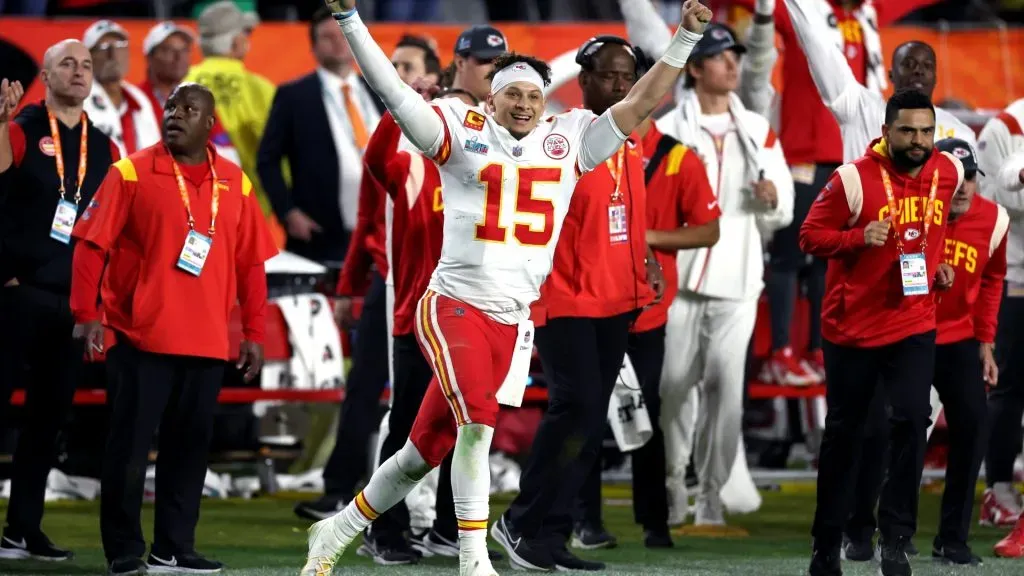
(892, 554)
(418, 540)
(857, 550)
(825, 563)
(910, 549)
(320, 509)
(393, 551)
(126, 566)
(592, 537)
(958, 554)
(39, 547)
(565, 560)
(658, 538)
(190, 563)
(522, 553)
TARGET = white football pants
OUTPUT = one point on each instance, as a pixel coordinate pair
(706, 344)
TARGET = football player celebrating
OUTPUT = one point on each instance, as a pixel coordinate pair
(507, 178)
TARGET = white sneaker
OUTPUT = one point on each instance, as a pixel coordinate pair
(678, 501)
(710, 511)
(325, 547)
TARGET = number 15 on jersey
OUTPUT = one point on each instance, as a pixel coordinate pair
(490, 229)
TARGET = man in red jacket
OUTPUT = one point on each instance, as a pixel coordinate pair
(880, 221)
(603, 275)
(814, 148)
(966, 316)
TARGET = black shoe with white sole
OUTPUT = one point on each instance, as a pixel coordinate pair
(955, 554)
(592, 537)
(126, 566)
(893, 559)
(38, 547)
(567, 561)
(319, 509)
(191, 563)
(857, 550)
(522, 553)
(433, 543)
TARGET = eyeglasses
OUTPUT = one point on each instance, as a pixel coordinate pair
(111, 44)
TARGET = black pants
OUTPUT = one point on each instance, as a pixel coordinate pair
(788, 261)
(1006, 401)
(646, 351)
(361, 407)
(905, 369)
(35, 332)
(650, 497)
(581, 358)
(962, 392)
(412, 377)
(178, 394)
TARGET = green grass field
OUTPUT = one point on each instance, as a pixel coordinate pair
(262, 537)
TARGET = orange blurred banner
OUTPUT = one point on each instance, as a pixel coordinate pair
(981, 68)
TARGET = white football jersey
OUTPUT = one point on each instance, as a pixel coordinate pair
(504, 203)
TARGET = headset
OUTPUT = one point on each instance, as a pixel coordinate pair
(585, 55)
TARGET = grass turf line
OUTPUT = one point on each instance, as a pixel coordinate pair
(262, 537)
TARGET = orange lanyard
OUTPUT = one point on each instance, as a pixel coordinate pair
(615, 169)
(214, 202)
(895, 211)
(83, 154)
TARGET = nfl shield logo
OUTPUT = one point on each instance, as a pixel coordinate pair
(517, 151)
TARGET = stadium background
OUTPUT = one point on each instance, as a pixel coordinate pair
(979, 69)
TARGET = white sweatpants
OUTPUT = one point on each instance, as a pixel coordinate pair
(422, 498)
(705, 343)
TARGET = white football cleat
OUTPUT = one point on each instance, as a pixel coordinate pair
(325, 548)
(477, 567)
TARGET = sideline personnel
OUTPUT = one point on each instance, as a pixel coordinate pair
(177, 263)
(52, 160)
(603, 275)
(966, 318)
(879, 317)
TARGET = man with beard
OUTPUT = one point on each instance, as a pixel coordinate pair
(880, 221)
(859, 112)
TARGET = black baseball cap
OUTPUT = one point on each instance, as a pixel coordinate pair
(481, 42)
(717, 39)
(962, 151)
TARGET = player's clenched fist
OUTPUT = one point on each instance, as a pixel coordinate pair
(340, 5)
(875, 233)
(695, 16)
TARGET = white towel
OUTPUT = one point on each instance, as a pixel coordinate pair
(687, 129)
(514, 387)
(627, 413)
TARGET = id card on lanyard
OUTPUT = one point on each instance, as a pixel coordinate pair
(67, 212)
(618, 223)
(913, 267)
(197, 246)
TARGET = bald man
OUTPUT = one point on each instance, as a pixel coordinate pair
(52, 160)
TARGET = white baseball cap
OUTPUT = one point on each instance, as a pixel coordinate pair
(99, 29)
(162, 31)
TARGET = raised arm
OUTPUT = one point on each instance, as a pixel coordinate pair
(829, 68)
(603, 137)
(419, 123)
(645, 27)
(756, 91)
